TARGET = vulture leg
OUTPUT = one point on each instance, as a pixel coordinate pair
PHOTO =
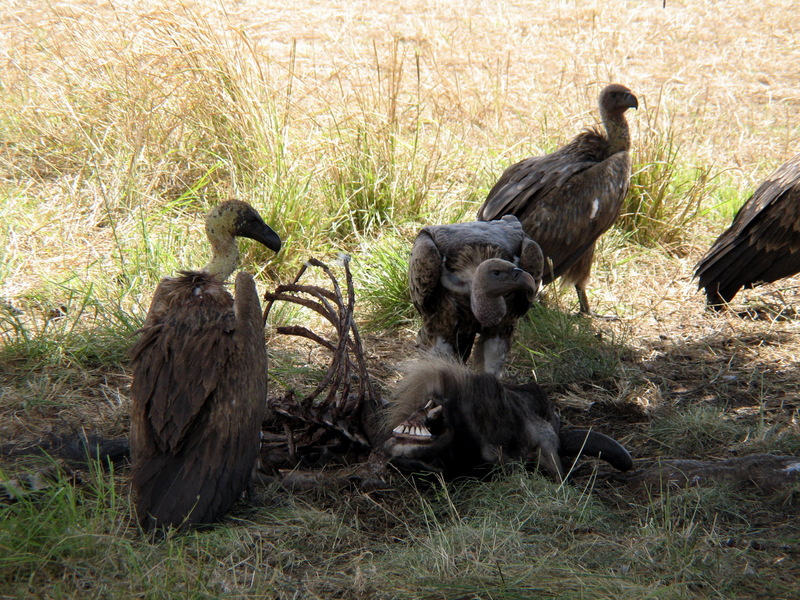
(490, 353)
(583, 301)
(578, 274)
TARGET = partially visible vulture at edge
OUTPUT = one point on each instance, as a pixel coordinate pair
(566, 200)
(200, 383)
(473, 278)
(762, 244)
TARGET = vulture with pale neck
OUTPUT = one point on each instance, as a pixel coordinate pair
(199, 386)
(762, 244)
(473, 278)
(566, 200)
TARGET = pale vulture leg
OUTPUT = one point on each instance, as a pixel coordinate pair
(490, 354)
(443, 347)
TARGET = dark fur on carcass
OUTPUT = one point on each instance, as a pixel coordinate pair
(446, 418)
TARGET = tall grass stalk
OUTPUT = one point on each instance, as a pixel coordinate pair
(666, 193)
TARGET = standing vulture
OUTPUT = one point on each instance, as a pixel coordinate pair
(473, 278)
(200, 383)
(568, 199)
(763, 242)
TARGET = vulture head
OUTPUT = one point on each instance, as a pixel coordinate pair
(493, 279)
(615, 99)
(224, 223)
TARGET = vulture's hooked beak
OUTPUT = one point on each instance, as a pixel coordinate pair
(631, 101)
(526, 281)
(262, 233)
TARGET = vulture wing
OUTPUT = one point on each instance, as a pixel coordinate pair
(185, 347)
(565, 201)
(763, 242)
(531, 258)
(425, 273)
(504, 235)
(527, 181)
(200, 388)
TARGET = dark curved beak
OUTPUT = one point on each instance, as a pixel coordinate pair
(631, 101)
(526, 281)
(262, 233)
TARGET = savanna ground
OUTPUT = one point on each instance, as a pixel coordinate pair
(349, 125)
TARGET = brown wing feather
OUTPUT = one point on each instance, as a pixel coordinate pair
(763, 242)
(196, 477)
(185, 344)
(527, 181)
(425, 272)
(531, 258)
(568, 221)
(565, 200)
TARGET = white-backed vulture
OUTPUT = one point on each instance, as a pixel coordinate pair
(445, 418)
(566, 200)
(473, 278)
(762, 244)
(199, 386)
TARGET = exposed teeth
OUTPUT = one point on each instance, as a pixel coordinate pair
(435, 411)
(415, 431)
(428, 404)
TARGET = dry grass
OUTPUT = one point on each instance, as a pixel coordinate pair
(349, 125)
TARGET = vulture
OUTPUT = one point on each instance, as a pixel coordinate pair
(473, 278)
(568, 199)
(199, 386)
(446, 419)
(762, 244)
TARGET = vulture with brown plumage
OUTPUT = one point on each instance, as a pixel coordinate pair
(566, 200)
(471, 279)
(762, 244)
(199, 386)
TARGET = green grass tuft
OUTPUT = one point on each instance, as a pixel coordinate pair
(666, 194)
(565, 348)
(381, 275)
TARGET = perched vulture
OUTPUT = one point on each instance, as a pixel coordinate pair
(445, 418)
(568, 199)
(200, 383)
(763, 242)
(473, 278)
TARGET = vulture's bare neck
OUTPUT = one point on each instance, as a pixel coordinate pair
(619, 136)
(224, 256)
(488, 307)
